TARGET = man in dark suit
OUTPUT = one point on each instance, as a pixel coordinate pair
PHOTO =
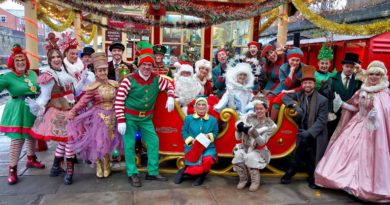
(312, 136)
(116, 50)
(344, 84)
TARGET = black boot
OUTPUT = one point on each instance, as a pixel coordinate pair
(56, 169)
(179, 176)
(311, 183)
(286, 178)
(68, 179)
(199, 180)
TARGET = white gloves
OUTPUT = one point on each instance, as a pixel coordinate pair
(170, 104)
(337, 102)
(35, 108)
(349, 107)
(372, 114)
(122, 128)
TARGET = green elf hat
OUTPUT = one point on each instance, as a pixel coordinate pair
(326, 53)
(146, 54)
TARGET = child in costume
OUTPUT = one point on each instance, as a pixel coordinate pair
(94, 133)
(252, 154)
(17, 119)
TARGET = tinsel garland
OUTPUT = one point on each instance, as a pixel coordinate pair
(274, 15)
(150, 22)
(366, 29)
(220, 13)
(133, 31)
(68, 22)
(91, 36)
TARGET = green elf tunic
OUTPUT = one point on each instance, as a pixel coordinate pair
(134, 104)
(17, 119)
(322, 78)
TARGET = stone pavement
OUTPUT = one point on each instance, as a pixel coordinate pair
(36, 187)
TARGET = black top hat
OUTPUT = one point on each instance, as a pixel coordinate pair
(117, 45)
(87, 51)
(350, 58)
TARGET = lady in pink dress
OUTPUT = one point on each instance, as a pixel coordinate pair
(357, 159)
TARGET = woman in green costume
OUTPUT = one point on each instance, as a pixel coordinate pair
(325, 56)
(17, 119)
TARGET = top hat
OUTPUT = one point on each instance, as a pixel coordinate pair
(350, 58)
(99, 60)
(159, 49)
(308, 72)
(116, 45)
(87, 51)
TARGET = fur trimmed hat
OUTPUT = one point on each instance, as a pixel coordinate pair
(17, 52)
(206, 64)
(183, 67)
(260, 98)
(233, 71)
(377, 66)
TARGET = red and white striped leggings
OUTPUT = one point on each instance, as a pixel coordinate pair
(63, 149)
(16, 148)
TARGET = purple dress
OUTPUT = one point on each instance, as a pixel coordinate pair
(93, 133)
(357, 159)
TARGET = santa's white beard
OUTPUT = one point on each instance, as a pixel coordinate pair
(186, 89)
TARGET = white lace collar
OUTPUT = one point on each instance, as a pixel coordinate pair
(74, 68)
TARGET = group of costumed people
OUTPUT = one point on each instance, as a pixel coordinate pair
(92, 107)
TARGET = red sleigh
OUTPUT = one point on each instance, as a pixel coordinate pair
(168, 128)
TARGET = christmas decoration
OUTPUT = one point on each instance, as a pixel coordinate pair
(42, 15)
(271, 19)
(366, 29)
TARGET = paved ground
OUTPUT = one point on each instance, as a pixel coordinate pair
(36, 187)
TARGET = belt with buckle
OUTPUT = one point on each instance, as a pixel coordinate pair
(23, 97)
(137, 113)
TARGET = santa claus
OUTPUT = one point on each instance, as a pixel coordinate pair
(186, 85)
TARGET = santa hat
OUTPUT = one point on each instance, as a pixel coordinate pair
(254, 43)
(68, 42)
(295, 53)
(205, 64)
(267, 48)
(146, 54)
(235, 69)
(17, 52)
(183, 67)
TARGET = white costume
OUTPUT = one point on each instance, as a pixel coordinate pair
(237, 96)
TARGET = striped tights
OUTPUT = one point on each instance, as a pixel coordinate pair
(16, 148)
(63, 149)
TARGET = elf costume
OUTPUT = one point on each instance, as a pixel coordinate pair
(160, 68)
(199, 133)
(17, 119)
(325, 53)
(134, 105)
